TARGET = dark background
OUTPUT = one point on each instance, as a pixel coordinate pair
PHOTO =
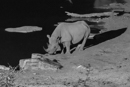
(44, 14)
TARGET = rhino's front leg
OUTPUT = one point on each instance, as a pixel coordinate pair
(67, 46)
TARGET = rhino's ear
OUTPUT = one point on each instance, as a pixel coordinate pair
(48, 36)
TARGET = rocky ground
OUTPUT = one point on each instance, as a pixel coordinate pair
(104, 67)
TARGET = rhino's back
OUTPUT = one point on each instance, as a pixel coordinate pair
(69, 32)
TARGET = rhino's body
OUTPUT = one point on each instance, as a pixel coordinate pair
(68, 33)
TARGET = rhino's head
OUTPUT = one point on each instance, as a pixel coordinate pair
(53, 48)
(53, 45)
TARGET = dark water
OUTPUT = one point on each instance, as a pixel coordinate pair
(43, 14)
(16, 46)
(20, 46)
(13, 14)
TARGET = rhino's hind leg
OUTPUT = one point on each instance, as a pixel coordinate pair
(85, 39)
(78, 47)
(81, 46)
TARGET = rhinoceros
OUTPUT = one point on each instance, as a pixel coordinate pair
(67, 33)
